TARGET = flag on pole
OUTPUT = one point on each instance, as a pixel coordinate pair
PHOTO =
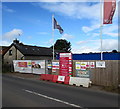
(57, 26)
(109, 10)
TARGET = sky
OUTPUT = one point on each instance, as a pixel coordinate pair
(31, 24)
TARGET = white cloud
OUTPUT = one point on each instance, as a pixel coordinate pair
(94, 46)
(5, 8)
(84, 49)
(67, 36)
(50, 0)
(110, 44)
(29, 37)
(12, 34)
(91, 28)
(4, 43)
(112, 34)
(73, 9)
(111, 30)
(42, 33)
(81, 42)
(68, 0)
(87, 41)
(49, 42)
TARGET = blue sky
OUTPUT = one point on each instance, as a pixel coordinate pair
(79, 20)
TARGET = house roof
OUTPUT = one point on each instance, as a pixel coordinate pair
(29, 50)
(3, 49)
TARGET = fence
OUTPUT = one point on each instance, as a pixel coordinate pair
(108, 76)
(95, 56)
(7, 68)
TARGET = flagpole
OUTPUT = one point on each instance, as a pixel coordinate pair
(101, 27)
(53, 34)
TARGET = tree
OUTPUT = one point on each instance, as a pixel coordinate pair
(62, 44)
(114, 51)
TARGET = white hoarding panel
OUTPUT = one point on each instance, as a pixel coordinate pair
(78, 66)
(22, 66)
(55, 65)
(83, 65)
(92, 64)
(100, 64)
(38, 66)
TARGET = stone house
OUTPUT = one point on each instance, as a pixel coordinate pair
(19, 51)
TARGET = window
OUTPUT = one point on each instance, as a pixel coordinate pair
(10, 52)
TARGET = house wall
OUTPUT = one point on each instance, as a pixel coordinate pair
(16, 55)
(38, 57)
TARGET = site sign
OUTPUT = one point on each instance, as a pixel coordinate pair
(65, 64)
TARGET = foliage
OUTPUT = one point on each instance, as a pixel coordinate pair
(114, 51)
(62, 44)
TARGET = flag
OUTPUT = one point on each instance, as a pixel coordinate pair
(109, 10)
(57, 26)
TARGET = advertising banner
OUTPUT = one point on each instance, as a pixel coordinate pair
(38, 66)
(78, 66)
(100, 64)
(29, 66)
(55, 65)
(83, 74)
(83, 65)
(92, 64)
(22, 66)
(49, 66)
(65, 64)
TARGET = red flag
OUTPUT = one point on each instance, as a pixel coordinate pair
(109, 9)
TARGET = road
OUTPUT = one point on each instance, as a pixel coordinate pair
(21, 92)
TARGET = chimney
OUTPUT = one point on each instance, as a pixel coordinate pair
(16, 41)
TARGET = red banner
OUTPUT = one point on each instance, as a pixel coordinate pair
(22, 64)
(65, 64)
(109, 9)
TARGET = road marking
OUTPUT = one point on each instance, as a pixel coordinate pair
(18, 77)
(74, 105)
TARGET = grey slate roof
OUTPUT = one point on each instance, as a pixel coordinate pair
(29, 50)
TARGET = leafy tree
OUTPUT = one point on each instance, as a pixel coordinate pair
(114, 51)
(62, 44)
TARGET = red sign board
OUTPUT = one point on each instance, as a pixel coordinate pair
(65, 64)
(22, 64)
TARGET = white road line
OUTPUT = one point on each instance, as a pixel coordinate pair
(74, 105)
(18, 77)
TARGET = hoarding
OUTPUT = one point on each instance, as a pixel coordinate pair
(100, 64)
(84, 65)
(22, 66)
(78, 66)
(65, 64)
(83, 73)
(38, 66)
(55, 65)
(92, 64)
(29, 66)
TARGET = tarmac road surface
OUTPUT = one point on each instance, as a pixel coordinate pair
(21, 92)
